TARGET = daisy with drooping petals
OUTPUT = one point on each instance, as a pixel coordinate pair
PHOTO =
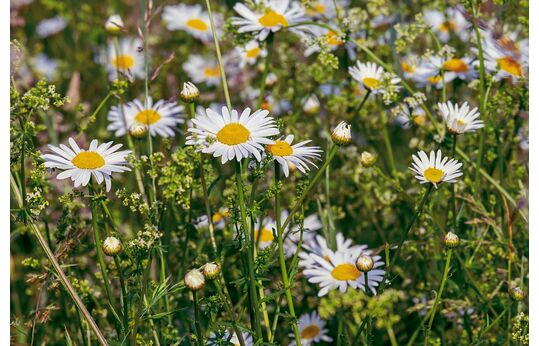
(506, 63)
(461, 119)
(339, 271)
(79, 165)
(205, 70)
(190, 18)
(298, 154)
(435, 168)
(160, 118)
(250, 53)
(271, 16)
(128, 61)
(215, 340)
(230, 135)
(311, 329)
(370, 76)
(443, 24)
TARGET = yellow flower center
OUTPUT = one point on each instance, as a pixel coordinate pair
(508, 44)
(233, 134)
(310, 332)
(434, 79)
(147, 117)
(419, 119)
(219, 216)
(448, 26)
(197, 24)
(433, 175)
(316, 8)
(272, 18)
(455, 65)
(407, 68)
(371, 83)
(345, 272)
(280, 148)
(211, 72)
(88, 160)
(253, 53)
(123, 62)
(510, 65)
(333, 39)
(265, 236)
(460, 122)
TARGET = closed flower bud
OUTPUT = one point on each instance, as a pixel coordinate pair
(138, 130)
(517, 293)
(189, 93)
(311, 105)
(211, 270)
(451, 240)
(368, 159)
(271, 80)
(112, 246)
(114, 25)
(341, 134)
(364, 263)
(194, 280)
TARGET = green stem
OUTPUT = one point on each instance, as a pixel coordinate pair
(387, 143)
(207, 205)
(369, 319)
(438, 295)
(200, 338)
(453, 201)
(267, 64)
(360, 106)
(229, 310)
(282, 262)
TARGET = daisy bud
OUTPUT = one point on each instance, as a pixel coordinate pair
(194, 280)
(451, 240)
(517, 293)
(112, 246)
(311, 105)
(368, 159)
(211, 270)
(189, 93)
(364, 263)
(114, 25)
(271, 80)
(341, 134)
(138, 130)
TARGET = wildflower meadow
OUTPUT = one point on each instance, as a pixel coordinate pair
(269, 172)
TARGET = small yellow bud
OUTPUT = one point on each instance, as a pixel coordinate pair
(368, 159)
(364, 263)
(114, 25)
(138, 130)
(517, 293)
(211, 270)
(112, 246)
(194, 280)
(189, 93)
(451, 240)
(341, 135)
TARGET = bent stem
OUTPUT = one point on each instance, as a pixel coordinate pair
(282, 262)
(438, 295)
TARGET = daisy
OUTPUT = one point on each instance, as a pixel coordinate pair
(232, 136)
(250, 53)
(312, 329)
(200, 69)
(128, 61)
(190, 18)
(216, 340)
(370, 76)
(461, 119)
(318, 245)
(339, 271)
(79, 164)
(161, 117)
(298, 154)
(271, 16)
(218, 218)
(505, 63)
(435, 169)
(443, 24)
(462, 68)
(49, 27)
(408, 116)
(321, 9)
(332, 39)
(426, 75)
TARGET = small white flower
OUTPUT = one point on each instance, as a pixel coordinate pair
(443, 24)
(370, 76)
(194, 280)
(49, 27)
(250, 53)
(192, 19)
(202, 70)
(128, 61)
(435, 169)
(298, 154)
(114, 24)
(230, 135)
(311, 105)
(341, 134)
(160, 118)
(189, 93)
(462, 68)
(79, 165)
(311, 329)
(461, 119)
(322, 9)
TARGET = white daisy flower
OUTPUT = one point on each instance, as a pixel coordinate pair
(215, 340)
(318, 245)
(409, 65)
(370, 76)
(79, 164)
(232, 136)
(218, 218)
(333, 39)
(425, 75)
(49, 27)
(250, 53)
(129, 61)
(311, 224)
(202, 70)
(435, 169)
(298, 154)
(339, 271)
(408, 116)
(311, 329)
(462, 68)
(192, 19)
(271, 16)
(161, 117)
(461, 119)
(506, 63)
(443, 24)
